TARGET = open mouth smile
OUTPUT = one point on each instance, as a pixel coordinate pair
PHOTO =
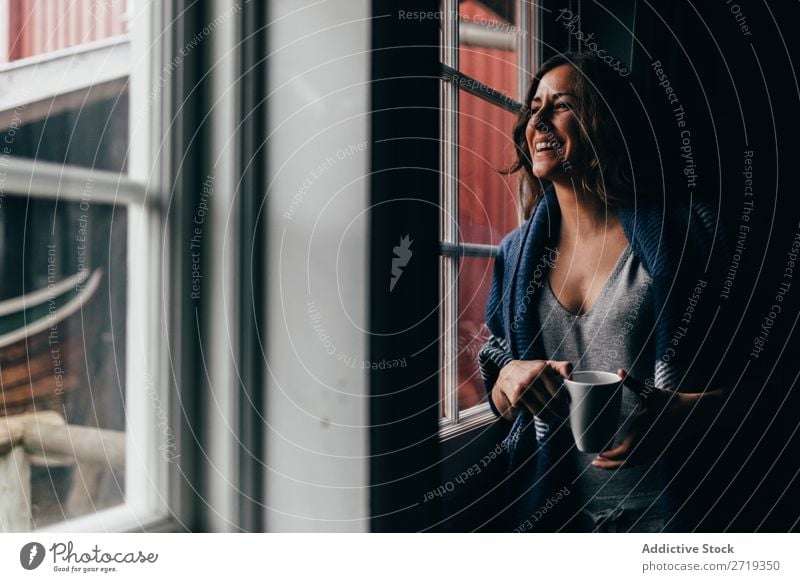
(546, 145)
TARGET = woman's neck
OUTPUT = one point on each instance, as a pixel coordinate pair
(582, 213)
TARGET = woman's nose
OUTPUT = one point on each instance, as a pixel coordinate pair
(540, 120)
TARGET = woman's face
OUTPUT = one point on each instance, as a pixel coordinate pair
(553, 131)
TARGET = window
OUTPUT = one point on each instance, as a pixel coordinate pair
(80, 446)
(487, 51)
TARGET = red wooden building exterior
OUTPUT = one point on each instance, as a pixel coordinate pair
(37, 27)
(487, 199)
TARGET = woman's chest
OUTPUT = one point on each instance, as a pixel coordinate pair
(617, 332)
(583, 270)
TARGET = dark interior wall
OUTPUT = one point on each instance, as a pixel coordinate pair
(734, 79)
(404, 446)
(472, 479)
(611, 23)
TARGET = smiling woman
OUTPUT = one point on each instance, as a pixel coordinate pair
(603, 304)
(576, 112)
(560, 139)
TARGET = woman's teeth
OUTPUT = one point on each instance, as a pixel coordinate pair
(546, 145)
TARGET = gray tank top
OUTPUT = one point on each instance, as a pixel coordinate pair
(617, 332)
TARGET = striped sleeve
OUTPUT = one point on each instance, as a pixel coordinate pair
(491, 358)
(493, 355)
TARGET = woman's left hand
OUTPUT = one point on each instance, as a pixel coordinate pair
(662, 415)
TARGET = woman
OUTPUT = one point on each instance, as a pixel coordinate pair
(596, 279)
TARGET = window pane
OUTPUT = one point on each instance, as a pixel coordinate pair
(487, 53)
(487, 199)
(62, 358)
(94, 134)
(38, 27)
(488, 43)
(445, 288)
(64, 70)
(474, 279)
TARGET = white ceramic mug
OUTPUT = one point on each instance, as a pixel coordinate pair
(595, 400)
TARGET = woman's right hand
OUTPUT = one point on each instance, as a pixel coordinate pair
(533, 384)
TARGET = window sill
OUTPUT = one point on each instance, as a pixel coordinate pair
(122, 518)
(470, 419)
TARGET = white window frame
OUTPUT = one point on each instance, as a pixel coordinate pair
(146, 488)
(455, 422)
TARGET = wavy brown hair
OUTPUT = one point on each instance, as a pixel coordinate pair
(603, 102)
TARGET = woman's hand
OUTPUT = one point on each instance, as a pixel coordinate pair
(662, 416)
(533, 384)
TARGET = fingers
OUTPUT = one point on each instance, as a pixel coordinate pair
(543, 394)
(620, 452)
(509, 384)
(534, 385)
(543, 411)
(602, 463)
(534, 405)
(550, 381)
(640, 388)
(503, 404)
(563, 369)
(551, 375)
(540, 401)
(535, 399)
(614, 458)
